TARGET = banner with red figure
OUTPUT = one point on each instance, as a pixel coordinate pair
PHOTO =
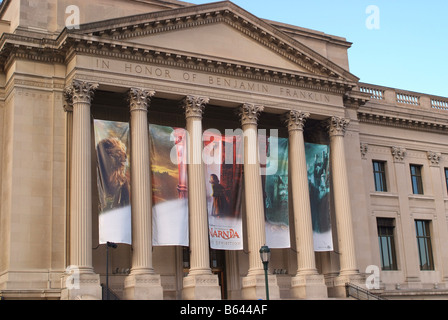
(223, 161)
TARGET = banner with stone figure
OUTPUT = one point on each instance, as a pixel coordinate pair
(223, 163)
(318, 166)
(113, 181)
(169, 186)
(274, 159)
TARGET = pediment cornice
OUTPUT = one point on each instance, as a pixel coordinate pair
(127, 28)
(112, 38)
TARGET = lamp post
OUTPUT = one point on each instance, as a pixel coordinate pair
(111, 245)
(265, 255)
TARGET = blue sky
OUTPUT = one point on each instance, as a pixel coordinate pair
(409, 50)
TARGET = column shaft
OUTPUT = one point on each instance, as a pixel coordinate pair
(308, 283)
(200, 284)
(141, 183)
(300, 195)
(253, 285)
(341, 192)
(199, 242)
(80, 281)
(142, 283)
(256, 232)
(81, 178)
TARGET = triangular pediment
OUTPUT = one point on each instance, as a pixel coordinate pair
(220, 40)
(220, 32)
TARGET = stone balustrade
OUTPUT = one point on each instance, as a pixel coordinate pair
(397, 97)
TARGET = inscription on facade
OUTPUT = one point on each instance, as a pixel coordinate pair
(231, 83)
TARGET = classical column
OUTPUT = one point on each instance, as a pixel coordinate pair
(348, 265)
(200, 282)
(254, 282)
(307, 283)
(68, 108)
(85, 284)
(142, 283)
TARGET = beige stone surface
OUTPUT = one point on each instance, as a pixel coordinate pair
(170, 47)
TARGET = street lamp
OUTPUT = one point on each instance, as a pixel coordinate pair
(114, 246)
(265, 255)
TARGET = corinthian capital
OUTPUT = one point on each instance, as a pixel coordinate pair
(337, 126)
(249, 113)
(194, 106)
(295, 120)
(81, 91)
(139, 99)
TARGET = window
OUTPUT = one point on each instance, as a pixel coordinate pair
(416, 179)
(387, 243)
(424, 245)
(446, 178)
(379, 175)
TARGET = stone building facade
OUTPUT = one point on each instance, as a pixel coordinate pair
(209, 66)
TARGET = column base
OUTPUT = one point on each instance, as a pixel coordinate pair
(143, 287)
(81, 286)
(254, 288)
(311, 287)
(201, 287)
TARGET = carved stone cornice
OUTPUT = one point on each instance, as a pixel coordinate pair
(422, 124)
(399, 153)
(434, 158)
(220, 12)
(139, 99)
(337, 126)
(249, 113)
(194, 106)
(355, 99)
(80, 92)
(295, 120)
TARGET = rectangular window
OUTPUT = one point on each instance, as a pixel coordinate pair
(446, 178)
(424, 245)
(416, 179)
(379, 175)
(387, 243)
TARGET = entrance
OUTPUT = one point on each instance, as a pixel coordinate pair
(217, 265)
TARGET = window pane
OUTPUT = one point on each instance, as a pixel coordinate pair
(386, 243)
(424, 245)
(446, 177)
(416, 179)
(379, 176)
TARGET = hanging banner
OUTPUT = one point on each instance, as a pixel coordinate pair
(112, 149)
(169, 186)
(318, 166)
(274, 158)
(224, 174)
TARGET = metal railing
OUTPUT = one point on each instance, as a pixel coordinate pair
(109, 294)
(359, 293)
